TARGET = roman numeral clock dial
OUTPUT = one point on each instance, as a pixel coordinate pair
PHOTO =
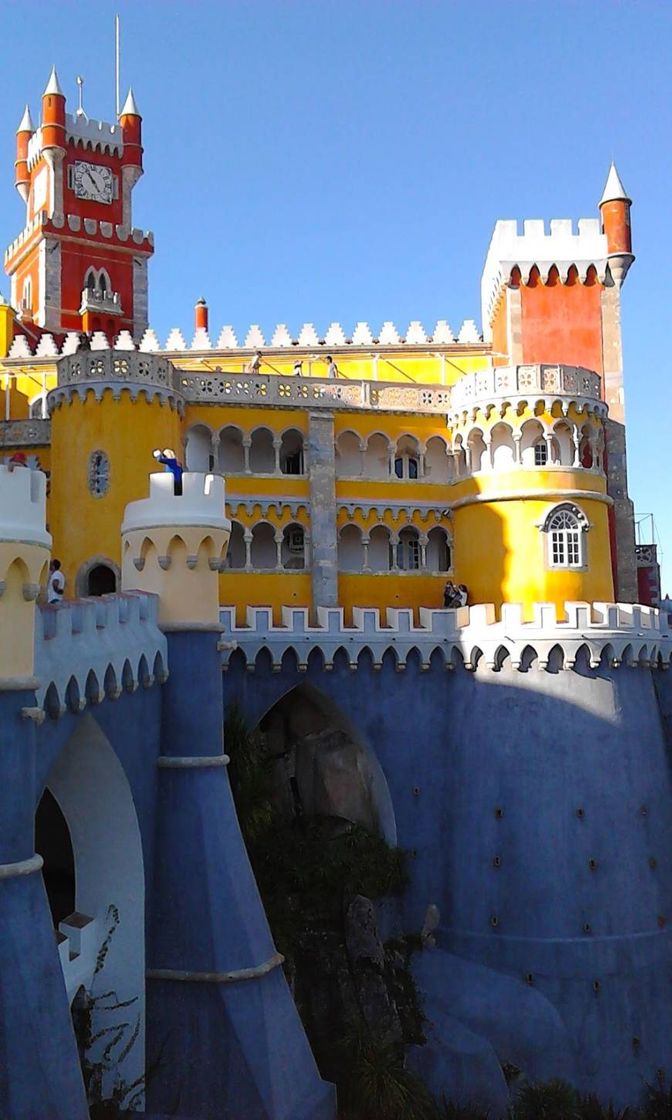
(92, 182)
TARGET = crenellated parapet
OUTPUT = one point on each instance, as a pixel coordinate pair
(25, 547)
(609, 634)
(174, 545)
(117, 371)
(89, 650)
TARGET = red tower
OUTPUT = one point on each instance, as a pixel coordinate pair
(79, 264)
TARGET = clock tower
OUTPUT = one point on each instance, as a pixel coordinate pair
(79, 264)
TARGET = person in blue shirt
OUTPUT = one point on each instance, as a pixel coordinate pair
(172, 464)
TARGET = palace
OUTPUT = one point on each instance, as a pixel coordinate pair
(335, 480)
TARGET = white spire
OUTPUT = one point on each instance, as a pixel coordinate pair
(53, 84)
(130, 108)
(26, 124)
(614, 188)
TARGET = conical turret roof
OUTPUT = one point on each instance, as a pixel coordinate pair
(53, 85)
(130, 108)
(26, 122)
(613, 188)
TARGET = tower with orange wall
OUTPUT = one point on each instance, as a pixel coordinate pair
(554, 296)
(79, 263)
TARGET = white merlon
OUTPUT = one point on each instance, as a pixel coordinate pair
(175, 340)
(46, 347)
(20, 347)
(388, 334)
(415, 335)
(535, 247)
(254, 339)
(124, 341)
(201, 503)
(616, 632)
(26, 123)
(99, 341)
(281, 336)
(130, 108)
(70, 343)
(23, 506)
(227, 339)
(308, 335)
(201, 340)
(361, 336)
(335, 335)
(442, 333)
(53, 85)
(468, 332)
(613, 189)
(149, 343)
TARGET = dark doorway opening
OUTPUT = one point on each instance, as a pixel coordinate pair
(52, 842)
(101, 581)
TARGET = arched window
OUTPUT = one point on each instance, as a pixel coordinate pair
(293, 547)
(350, 549)
(99, 474)
(262, 452)
(408, 550)
(406, 460)
(566, 526)
(438, 550)
(198, 449)
(235, 555)
(291, 452)
(27, 298)
(90, 280)
(348, 455)
(264, 554)
(377, 457)
(437, 463)
(231, 450)
(102, 580)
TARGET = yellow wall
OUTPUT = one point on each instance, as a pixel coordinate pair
(264, 589)
(84, 526)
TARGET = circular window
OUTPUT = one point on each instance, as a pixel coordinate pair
(99, 474)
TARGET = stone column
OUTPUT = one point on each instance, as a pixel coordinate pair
(247, 538)
(278, 538)
(247, 443)
(517, 455)
(277, 444)
(365, 554)
(322, 479)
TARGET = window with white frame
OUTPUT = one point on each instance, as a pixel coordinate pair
(566, 526)
(408, 551)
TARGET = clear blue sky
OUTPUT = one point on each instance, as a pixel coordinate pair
(344, 160)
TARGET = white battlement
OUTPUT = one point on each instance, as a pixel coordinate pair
(23, 506)
(97, 135)
(561, 245)
(86, 649)
(613, 633)
(201, 503)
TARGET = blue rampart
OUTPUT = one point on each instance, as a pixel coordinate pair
(537, 805)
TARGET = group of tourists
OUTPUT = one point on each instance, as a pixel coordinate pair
(455, 595)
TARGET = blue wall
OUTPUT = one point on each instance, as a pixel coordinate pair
(505, 786)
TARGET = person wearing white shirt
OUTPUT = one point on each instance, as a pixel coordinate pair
(56, 584)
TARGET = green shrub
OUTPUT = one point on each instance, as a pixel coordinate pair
(378, 1086)
(554, 1100)
(591, 1109)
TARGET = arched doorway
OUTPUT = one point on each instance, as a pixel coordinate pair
(87, 826)
(101, 581)
(53, 843)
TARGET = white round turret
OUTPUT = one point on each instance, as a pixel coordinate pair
(25, 547)
(174, 545)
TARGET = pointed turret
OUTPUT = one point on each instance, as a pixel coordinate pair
(131, 129)
(53, 113)
(23, 134)
(615, 211)
(26, 122)
(613, 188)
(53, 85)
(130, 108)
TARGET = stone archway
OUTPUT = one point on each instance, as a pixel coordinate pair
(322, 765)
(88, 785)
(97, 576)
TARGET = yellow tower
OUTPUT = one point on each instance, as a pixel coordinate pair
(24, 560)
(174, 545)
(530, 502)
(110, 410)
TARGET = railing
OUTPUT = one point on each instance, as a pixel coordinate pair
(521, 381)
(25, 433)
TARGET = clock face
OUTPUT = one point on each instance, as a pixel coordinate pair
(92, 182)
